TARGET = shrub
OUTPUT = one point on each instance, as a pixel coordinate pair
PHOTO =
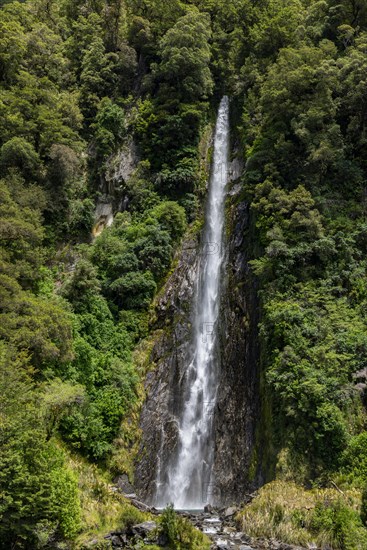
(180, 533)
(131, 516)
(291, 514)
(19, 153)
(339, 525)
(134, 290)
(354, 459)
(171, 217)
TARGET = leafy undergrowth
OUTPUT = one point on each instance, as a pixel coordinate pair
(180, 533)
(292, 514)
(126, 444)
(103, 509)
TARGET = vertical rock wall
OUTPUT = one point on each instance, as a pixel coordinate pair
(238, 405)
(237, 409)
(169, 359)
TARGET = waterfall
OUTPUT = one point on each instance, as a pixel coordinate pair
(188, 481)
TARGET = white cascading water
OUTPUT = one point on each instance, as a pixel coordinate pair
(190, 480)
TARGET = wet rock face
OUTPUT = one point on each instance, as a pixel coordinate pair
(169, 361)
(237, 408)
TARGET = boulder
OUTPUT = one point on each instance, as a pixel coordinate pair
(144, 529)
(140, 505)
(124, 485)
(117, 542)
(118, 539)
(229, 512)
(222, 544)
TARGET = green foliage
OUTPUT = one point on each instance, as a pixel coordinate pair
(304, 179)
(21, 229)
(321, 517)
(185, 55)
(79, 79)
(71, 316)
(315, 341)
(132, 516)
(171, 218)
(354, 458)
(134, 290)
(57, 399)
(82, 285)
(180, 179)
(339, 524)
(37, 325)
(169, 524)
(180, 533)
(109, 127)
(133, 257)
(97, 76)
(39, 494)
(20, 154)
(102, 365)
(173, 130)
(93, 425)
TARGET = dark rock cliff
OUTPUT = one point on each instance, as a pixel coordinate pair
(237, 409)
(169, 355)
(238, 405)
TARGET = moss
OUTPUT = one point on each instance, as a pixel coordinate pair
(253, 466)
(206, 153)
(126, 445)
(265, 432)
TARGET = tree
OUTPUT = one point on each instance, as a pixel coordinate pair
(21, 230)
(134, 290)
(171, 217)
(154, 250)
(349, 12)
(64, 165)
(97, 78)
(13, 47)
(183, 72)
(109, 127)
(140, 36)
(82, 284)
(39, 494)
(20, 154)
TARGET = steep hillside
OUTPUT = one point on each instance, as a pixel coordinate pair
(106, 111)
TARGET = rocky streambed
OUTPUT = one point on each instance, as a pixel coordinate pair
(218, 524)
(221, 528)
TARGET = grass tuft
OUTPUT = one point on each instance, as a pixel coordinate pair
(289, 513)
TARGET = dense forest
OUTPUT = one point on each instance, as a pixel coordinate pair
(80, 81)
